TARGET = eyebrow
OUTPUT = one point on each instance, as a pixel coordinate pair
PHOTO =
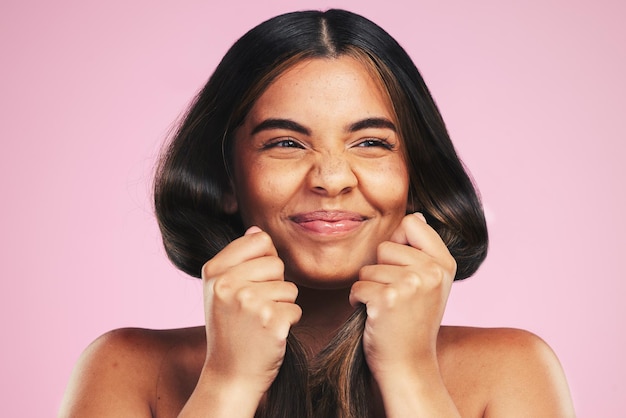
(273, 123)
(286, 124)
(372, 123)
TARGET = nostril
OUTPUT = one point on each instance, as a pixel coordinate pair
(332, 175)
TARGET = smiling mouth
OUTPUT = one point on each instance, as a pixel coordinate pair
(328, 222)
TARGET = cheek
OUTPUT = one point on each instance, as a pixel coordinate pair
(263, 190)
(248, 191)
(388, 187)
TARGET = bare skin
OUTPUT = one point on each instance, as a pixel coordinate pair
(320, 178)
(473, 372)
(488, 373)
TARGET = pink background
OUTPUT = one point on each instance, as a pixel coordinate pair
(533, 94)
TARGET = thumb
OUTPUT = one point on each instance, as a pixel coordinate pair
(253, 230)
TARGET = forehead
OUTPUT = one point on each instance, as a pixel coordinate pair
(317, 85)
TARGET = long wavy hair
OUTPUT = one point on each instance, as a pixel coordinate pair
(193, 180)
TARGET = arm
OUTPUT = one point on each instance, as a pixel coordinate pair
(405, 294)
(113, 377)
(420, 394)
(249, 309)
(516, 373)
(216, 397)
(528, 379)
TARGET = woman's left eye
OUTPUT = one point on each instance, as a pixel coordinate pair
(287, 143)
(374, 142)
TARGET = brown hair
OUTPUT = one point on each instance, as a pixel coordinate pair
(193, 178)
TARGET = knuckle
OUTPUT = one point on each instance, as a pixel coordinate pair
(363, 273)
(453, 266)
(266, 315)
(222, 287)
(434, 274)
(277, 265)
(438, 277)
(208, 270)
(282, 332)
(407, 220)
(262, 238)
(292, 289)
(355, 289)
(413, 280)
(389, 296)
(434, 278)
(297, 312)
(245, 297)
(383, 248)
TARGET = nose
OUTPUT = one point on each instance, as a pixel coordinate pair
(332, 175)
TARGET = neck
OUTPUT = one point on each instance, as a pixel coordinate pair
(323, 312)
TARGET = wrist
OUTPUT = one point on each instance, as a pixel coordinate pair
(223, 396)
(420, 371)
(416, 391)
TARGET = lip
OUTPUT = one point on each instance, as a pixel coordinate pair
(325, 222)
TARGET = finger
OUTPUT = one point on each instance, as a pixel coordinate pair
(382, 273)
(253, 230)
(406, 280)
(414, 231)
(261, 292)
(261, 269)
(364, 292)
(392, 253)
(252, 245)
(277, 291)
(285, 315)
(290, 312)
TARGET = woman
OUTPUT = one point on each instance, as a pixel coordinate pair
(314, 188)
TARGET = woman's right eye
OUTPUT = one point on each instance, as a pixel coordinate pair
(283, 143)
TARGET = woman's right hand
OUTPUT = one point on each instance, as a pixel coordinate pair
(249, 309)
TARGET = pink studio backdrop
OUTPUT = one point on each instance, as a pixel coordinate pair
(533, 94)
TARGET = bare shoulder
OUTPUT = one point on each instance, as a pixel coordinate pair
(118, 374)
(511, 372)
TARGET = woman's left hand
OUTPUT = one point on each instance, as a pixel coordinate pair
(405, 294)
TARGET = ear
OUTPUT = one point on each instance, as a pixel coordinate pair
(229, 202)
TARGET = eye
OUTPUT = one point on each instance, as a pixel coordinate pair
(283, 143)
(375, 142)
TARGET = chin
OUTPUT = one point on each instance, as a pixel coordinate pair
(324, 285)
(322, 280)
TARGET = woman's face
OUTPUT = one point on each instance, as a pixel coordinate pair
(318, 165)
